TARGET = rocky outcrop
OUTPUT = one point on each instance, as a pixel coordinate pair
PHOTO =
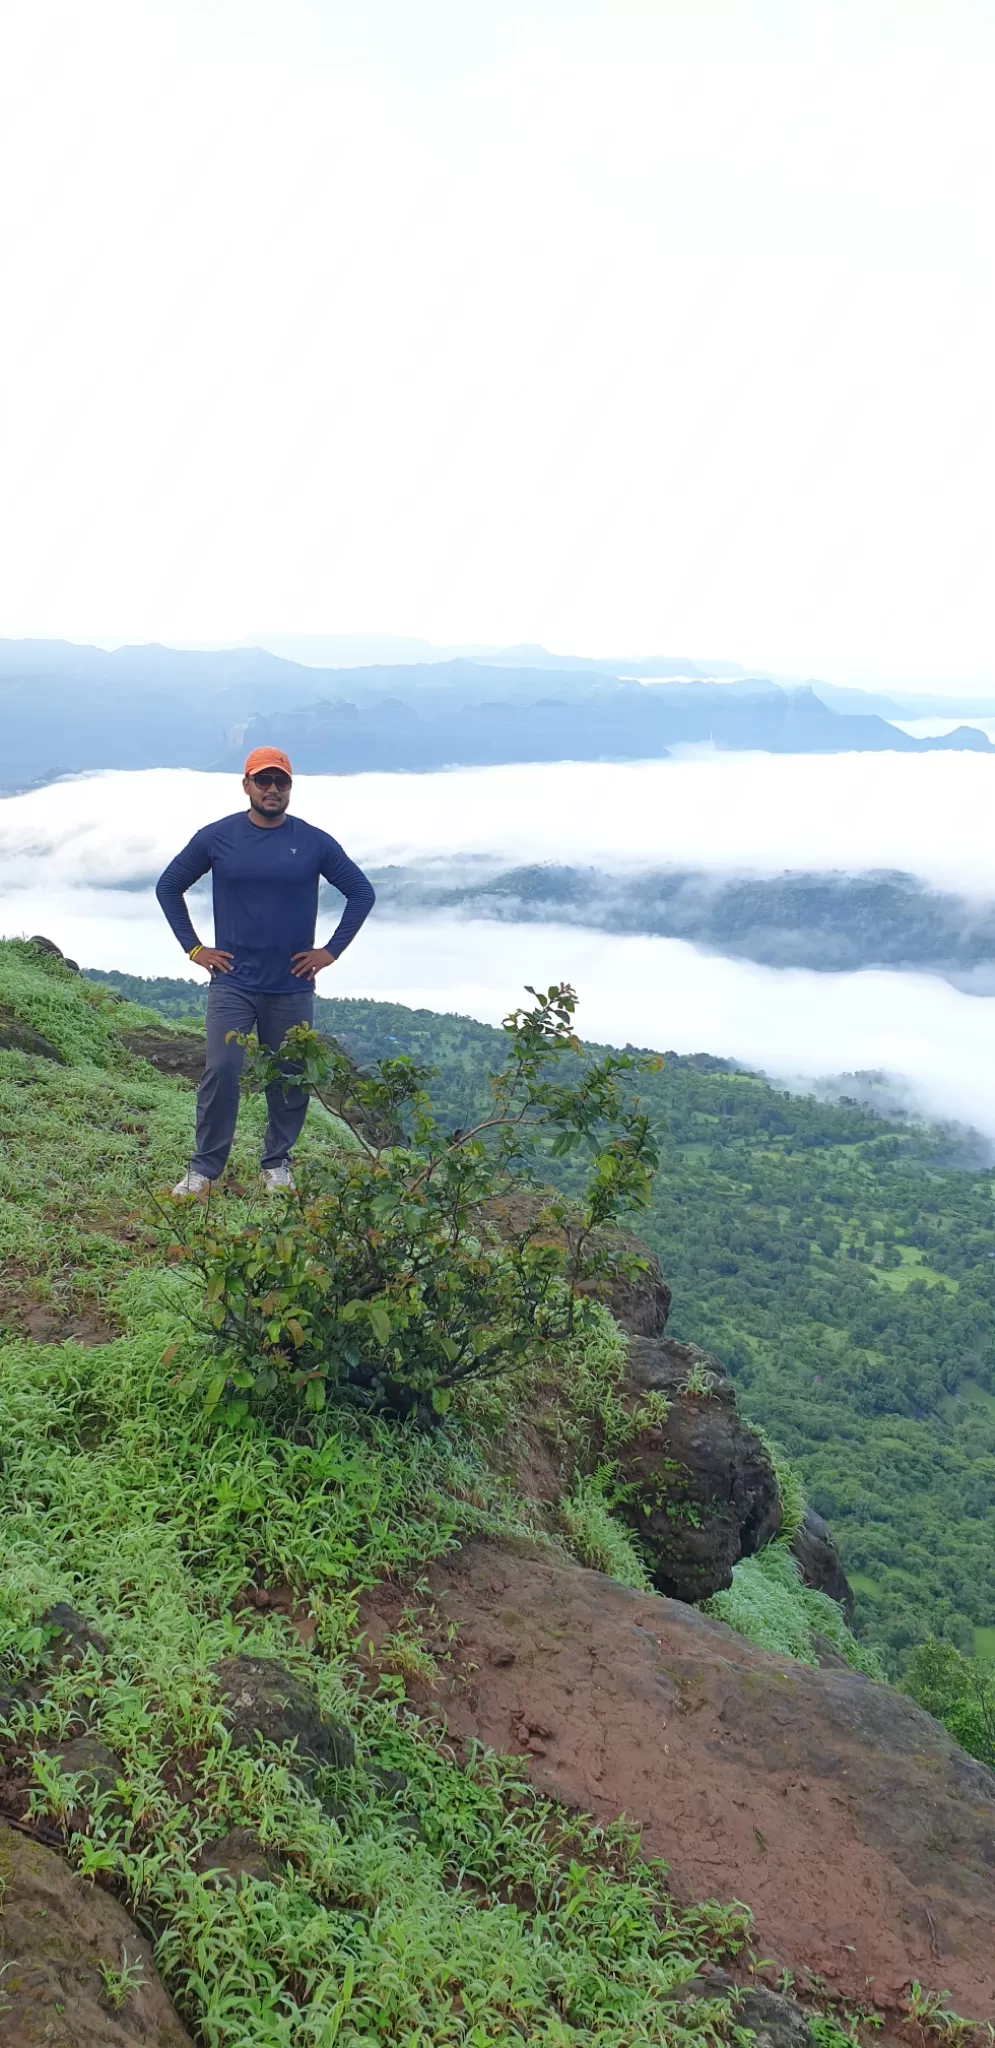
(862, 1838)
(232, 1858)
(700, 1489)
(819, 1561)
(54, 952)
(56, 1931)
(267, 1703)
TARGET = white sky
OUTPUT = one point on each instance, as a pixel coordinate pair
(650, 325)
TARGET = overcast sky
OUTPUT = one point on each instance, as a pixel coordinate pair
(624, 325)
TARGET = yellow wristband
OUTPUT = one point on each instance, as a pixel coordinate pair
(194, 950)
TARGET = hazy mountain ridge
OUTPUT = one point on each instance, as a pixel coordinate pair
(72, 709)
(834, 923)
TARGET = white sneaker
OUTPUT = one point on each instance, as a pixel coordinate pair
(192, 1184)
(276, 1177)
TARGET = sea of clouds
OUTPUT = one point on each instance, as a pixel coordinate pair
(930, 814)
(78, 858)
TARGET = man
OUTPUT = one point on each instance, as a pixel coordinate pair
(265, 867)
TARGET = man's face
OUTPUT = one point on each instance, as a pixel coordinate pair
(268, 791)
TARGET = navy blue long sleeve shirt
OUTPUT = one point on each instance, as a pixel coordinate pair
(265, 882)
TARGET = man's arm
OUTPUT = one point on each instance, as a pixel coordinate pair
(360, 896)
(359, 893)
(173, 883)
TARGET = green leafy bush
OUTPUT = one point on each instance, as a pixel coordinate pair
(957, 1690)
(387, 1277)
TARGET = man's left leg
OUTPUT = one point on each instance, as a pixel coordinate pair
(275, 1016)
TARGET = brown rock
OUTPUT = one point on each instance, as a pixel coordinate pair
(54, 952)
(268, 1703)
(776, 2021)
(55, 1931)
(702, 1492)
(237, 1856)
(72, 1636)
(862, 1838)
(97, 1767)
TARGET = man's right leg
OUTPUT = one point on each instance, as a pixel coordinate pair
(228, 1009)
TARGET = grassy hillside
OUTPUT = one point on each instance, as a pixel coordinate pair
(422, 1899)
(844, 1269)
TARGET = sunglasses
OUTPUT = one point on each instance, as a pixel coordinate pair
(271, 778)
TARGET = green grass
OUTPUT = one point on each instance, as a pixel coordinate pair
(768, 1604)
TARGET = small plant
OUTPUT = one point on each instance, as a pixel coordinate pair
(790, 1486)
(118, 1985)
(404, 1652)
(58, 1792)
(933, 2014)
(699, 1380)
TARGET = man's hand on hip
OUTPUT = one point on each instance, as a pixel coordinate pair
(307, 965)
(215, 961)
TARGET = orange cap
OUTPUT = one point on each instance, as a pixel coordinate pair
(267, 757)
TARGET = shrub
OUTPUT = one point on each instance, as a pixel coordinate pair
(385, 1278)
(957, 1690)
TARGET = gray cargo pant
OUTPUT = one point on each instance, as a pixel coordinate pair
(240, 1009)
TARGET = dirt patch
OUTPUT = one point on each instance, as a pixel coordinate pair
(51, 1322)
(862, 1838)
(177, 1053)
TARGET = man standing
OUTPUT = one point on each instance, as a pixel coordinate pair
(265, 867)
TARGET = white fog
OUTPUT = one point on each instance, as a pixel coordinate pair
(79, 856)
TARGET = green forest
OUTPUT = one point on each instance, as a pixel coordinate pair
(842, 1268)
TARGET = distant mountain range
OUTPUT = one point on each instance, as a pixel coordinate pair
(67, 709)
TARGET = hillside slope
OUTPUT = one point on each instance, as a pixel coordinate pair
(843, 1268)
(195, 1712)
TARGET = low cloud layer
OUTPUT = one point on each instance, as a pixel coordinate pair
(78, 859)
(928, 814)
(790, 1023)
